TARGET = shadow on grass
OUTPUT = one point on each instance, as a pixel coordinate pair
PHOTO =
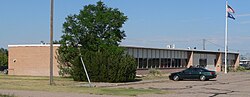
(136, 80)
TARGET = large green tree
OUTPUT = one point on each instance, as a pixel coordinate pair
(3, 57)
(95, 34)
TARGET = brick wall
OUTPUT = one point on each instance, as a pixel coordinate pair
(31, 60)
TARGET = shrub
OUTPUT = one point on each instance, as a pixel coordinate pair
(109, 65)
(239, 68)
(154, 72)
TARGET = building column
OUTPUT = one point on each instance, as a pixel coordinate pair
(190, 60)
(218, 63)
(237, 62)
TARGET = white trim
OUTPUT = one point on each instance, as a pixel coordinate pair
(33, 45)
(179, 49)
(132, 46)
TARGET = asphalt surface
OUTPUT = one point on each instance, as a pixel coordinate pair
(233, 84)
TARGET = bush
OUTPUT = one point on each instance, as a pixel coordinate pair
(109, 65)
(239, 68)
(3, 57)
(154, 72)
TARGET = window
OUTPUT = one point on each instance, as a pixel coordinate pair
(203, 63)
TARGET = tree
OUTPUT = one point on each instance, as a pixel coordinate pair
(95, 34)
(3, 57)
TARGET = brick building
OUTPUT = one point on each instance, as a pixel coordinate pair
(31, 60)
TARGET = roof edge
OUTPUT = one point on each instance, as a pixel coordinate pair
(32, 45)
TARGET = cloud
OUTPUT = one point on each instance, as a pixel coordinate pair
(243, 15)
(245, 22)
(196, 19)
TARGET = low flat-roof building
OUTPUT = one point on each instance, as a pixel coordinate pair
(169, 59)
(34, 59)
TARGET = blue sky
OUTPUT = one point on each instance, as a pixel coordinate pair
(151, 23)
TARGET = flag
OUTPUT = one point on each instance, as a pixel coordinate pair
(230, 16)
(230, 9)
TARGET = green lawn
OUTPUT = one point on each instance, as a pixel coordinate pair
(3, 95)
(66, 85)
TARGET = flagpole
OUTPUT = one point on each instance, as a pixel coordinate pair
(226, 38)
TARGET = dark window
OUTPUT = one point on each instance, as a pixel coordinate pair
(183, 62)
(202, 62)
(169, 62)
(162, 63)
(173, 63)
(153, 63)
(140, 62)
(150, 62)
(157, 60)
(144, 62)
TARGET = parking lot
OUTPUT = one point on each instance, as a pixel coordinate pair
(232, 84)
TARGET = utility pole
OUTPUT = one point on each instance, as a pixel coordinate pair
(51, 41)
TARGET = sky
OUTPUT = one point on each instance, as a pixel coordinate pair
(151, 23)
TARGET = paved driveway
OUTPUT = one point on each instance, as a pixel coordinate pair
(233, 84)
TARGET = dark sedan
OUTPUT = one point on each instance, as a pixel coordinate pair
(193, 73)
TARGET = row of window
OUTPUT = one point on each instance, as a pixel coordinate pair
(161, 63)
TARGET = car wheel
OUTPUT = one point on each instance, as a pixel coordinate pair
(5, 71)
(176, 78)
(202, 78)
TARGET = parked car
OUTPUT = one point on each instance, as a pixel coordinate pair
(4, 69)
(193, 73)
(246, 66)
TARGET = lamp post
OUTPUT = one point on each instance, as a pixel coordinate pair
(51, 40)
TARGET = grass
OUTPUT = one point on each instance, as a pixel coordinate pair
(155, 74)
(3, 95)
(149, 77)
(247, 70)
(32, 83)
